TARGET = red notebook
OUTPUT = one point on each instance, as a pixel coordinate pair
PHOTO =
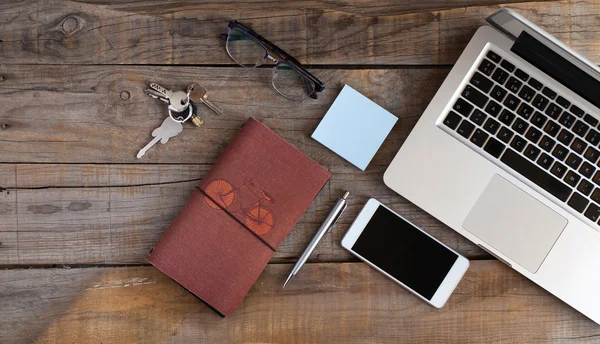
(222, 239)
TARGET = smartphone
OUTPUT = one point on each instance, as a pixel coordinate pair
(406, 254)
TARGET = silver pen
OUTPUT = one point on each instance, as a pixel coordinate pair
(331, 219)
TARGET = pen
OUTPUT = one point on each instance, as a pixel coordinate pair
(331, 219)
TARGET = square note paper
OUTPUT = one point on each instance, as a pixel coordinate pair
(354, 127)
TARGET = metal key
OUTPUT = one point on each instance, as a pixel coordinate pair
(179, 101)
(158, 88)
(197, 94)
(156, 95)
(168, 129)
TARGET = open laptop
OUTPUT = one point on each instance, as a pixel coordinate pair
(507, 154)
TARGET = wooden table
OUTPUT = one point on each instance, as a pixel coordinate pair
(79, 212)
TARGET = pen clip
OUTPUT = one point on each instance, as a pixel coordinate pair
(337, 218)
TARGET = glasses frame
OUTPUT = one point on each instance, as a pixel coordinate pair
(276, 54)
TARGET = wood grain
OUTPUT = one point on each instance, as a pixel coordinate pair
(114, 214)
(326, 303)
(75, 114)
(316, 32)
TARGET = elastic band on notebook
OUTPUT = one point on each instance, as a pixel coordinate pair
(237, 220)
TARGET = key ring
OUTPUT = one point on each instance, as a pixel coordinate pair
(178, 119)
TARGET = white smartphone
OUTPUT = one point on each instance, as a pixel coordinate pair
(406, 254)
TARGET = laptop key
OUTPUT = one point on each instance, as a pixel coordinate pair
(577, 111)
(478, 117)
(527, 93)
(479, 137)
(558, 169)
(553, 110)
(533, 135)
(563, 102)
(587, 169)
(572, 178)
(532, 152)
(593, 137)
(567, 119)
(592, 212)
(511, 102)
(538, 119)
(565, 137)
(462, 107)
(500, 76)
(589, 119)
(493, 56)
(521, 75)
(591, 154)
(493, 108)
(481, 82)
(505, 134)
(552, 128)
(549, 93)
(498, 93)
(525, 111)
(507, 65)
(540, 102)
(535, 174)
(513, 85)
(507, 117)
(486, 67)
(465, 129)
(596, 179)
(573, 161)
(491, 126)
(596, 195)
(585, 187)
(578, 202)
(520, 126)
(494, 147)
(518, 143)
(578, 146)
(471, 94)
(546, 143)
(580, 128)
(536, 84)
(560, 152)
(545, 161)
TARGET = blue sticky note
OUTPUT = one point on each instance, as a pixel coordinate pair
(354, 127)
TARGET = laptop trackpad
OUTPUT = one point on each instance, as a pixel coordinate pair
(514, 223)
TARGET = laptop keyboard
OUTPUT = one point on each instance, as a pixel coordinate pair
(534, 131)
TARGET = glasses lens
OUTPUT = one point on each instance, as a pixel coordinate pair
(244, 50)
(291, 84)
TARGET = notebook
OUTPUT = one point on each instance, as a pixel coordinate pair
(222, 239)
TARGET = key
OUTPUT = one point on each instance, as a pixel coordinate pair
(167, 130)
(197, 120)
(156, 95)
(197, 94)
(158, 88)
(179, 101)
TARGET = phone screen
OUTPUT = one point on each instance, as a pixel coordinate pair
(405, 252)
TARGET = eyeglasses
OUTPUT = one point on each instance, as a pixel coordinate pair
(249, 49)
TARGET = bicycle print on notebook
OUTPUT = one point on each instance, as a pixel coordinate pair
(245, 200)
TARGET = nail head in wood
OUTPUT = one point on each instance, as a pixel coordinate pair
(125, 95)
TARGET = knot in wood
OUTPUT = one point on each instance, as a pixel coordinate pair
(5, 126)
(125, 95)
(69, 26)
(2, 78)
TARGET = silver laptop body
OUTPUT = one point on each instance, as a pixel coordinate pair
(507, 154)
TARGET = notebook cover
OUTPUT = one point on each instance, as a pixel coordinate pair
(222, 239)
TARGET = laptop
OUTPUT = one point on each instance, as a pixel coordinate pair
(507, 154)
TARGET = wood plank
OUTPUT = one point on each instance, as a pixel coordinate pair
(326, 303)
(75, 114)
(318, 32)
(102, 214)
